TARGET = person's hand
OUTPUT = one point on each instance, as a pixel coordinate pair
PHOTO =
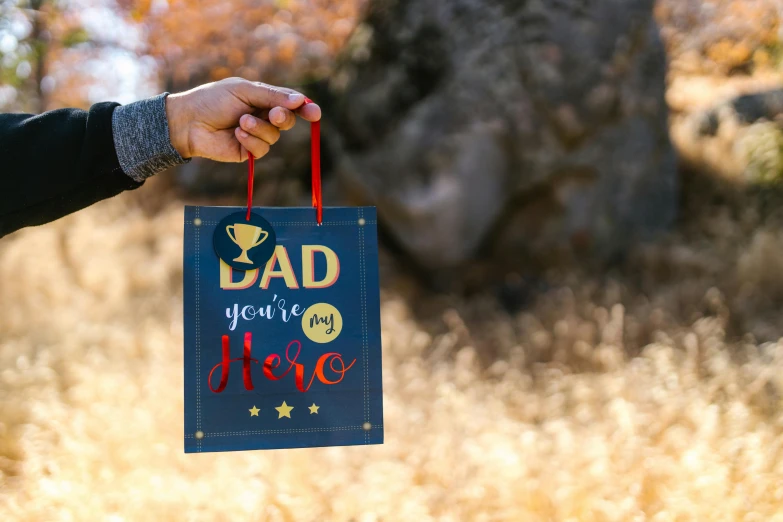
(226, 119)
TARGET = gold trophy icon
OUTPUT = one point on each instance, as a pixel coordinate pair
(246, 237)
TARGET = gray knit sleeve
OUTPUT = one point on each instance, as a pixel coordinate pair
(141, 138)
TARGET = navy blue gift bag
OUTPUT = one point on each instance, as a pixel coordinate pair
(282, 325)
(287, 355)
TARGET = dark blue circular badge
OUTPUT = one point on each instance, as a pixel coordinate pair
(243, 244)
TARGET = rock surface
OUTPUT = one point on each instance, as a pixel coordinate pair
(502, 128)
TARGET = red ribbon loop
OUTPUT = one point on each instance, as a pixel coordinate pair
(251, 173)
(315, 166)
(315, 171)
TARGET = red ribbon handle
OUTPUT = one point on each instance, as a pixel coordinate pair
(251, 173)
(315, 171)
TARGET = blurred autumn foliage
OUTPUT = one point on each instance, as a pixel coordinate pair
(34, 34)
(277, 41)
(56, 53)
(721, 36)
(60, 53)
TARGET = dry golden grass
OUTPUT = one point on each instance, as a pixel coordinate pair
(651, 393)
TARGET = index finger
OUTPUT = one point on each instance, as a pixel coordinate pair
(310, 112)
(264, 96)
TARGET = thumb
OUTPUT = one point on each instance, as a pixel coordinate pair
(263, 96)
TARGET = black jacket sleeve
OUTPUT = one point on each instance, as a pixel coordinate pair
(56, 163)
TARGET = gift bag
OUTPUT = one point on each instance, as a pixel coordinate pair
(282, 327)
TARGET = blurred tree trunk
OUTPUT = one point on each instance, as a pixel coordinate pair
(39, 40)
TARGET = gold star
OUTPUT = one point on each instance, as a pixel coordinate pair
(284, 410)
(254, 411)
(314, 409)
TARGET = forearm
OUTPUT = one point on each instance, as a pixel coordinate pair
(62, 161)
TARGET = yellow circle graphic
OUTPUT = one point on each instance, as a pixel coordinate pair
(322, 323)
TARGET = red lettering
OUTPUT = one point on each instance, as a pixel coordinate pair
(272, 362)
(225, 367)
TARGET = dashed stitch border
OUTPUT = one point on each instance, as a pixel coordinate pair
(298, 223)
(363, 289)
(280, 432)
(198, 332)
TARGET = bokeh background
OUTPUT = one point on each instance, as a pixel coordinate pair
(582, 260)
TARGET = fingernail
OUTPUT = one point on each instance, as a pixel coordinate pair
(296, 97)
(279, 118)
(248, 121)
(243, 134)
